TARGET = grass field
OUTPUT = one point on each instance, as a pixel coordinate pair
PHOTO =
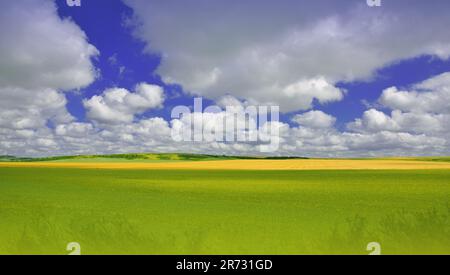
(220, 211)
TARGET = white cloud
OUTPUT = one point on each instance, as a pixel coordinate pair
(423, 110)
(419, 121)
(117, 105)
(41, 55)
(432, 95)
(375, 121)
(277, 54)
(75, 129)
(315, 119)
(39, 50)
(31, 109)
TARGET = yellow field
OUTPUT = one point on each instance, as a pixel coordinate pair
(307, 164)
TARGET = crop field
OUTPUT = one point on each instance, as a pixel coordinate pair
(253, 164)
(225, 207)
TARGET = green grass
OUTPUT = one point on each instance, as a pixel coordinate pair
(223, 212)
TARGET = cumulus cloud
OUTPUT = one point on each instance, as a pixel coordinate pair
(430, 96)
(119, 105)
(375, 121)
(41, 55)
(315, 119)
(419, 116)
(425, 109)
(287, 53)
(40, 50)
(74, 130)
(31, 109)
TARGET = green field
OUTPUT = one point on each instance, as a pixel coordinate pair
(223, 212)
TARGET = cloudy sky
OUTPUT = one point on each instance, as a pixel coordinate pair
(350, 80)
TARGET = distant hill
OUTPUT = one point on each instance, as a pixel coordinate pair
(13, 159)
(151, 157)
(137, 157)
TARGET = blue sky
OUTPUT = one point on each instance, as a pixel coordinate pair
(328, 66)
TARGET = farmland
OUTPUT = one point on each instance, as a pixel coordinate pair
(237, 164)
(164, 210)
